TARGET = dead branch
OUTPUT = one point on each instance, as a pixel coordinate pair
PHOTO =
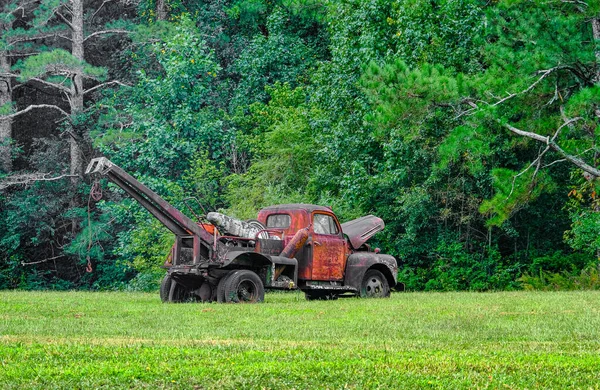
(551, 142)
(106, 84)
(41, 261)
(34, 106)
(28, 178)
(536, 162)
(51, 85)
(64, 19)
(99, 8)
(103, 32)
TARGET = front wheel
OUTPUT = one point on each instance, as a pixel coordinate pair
(374, 285)
(244, 286)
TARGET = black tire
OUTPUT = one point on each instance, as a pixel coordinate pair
(244, 286)
(374, 285)
(221, 288)
(165, 288)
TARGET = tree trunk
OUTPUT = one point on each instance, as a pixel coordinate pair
(161, 10)
(77, 88)
(596, 35)
(6, 123)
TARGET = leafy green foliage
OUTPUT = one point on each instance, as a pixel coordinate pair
(586, 279)
(277, 57)
(284, 148)
(447, 32)
(512, 190)
(394, 108)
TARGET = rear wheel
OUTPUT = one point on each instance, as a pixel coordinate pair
(244, 286)
(374, 285)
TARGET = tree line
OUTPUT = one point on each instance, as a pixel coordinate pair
(469, 126)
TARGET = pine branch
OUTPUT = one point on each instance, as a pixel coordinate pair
(32, 107)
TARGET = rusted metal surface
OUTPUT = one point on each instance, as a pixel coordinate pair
(296, 243)
(269, 246)
(168, 215)
(360, 262)
(329, 249)
(362, 229)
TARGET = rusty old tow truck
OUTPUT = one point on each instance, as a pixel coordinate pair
(292, 246)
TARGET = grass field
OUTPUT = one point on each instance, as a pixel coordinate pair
(413, 340)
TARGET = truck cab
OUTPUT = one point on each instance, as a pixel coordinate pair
(334, 258)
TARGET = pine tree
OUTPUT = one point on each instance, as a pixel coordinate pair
(66, 23)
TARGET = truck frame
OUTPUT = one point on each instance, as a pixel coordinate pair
(294, 246)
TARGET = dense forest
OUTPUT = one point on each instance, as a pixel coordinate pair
(469, 126)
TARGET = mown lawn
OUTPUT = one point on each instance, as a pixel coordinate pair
(413, 340)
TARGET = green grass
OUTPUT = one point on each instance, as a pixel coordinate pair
(413, 340)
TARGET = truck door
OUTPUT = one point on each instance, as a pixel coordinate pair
(328, 248)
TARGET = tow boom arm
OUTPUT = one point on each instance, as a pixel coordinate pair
(172, 218)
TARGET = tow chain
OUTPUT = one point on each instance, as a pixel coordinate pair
(96, 195)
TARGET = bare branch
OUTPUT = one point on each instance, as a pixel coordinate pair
(554, 146)
(545, 73)
(65, 37)
(28, 178)
(106, 32)
(577, 161)
(554, 162)
(42, 261)
(21, 39)
(537, 162)
(106, 84)
(52, 85)
(67, 21)
(34, 106)
(527, 134)
(99, 8)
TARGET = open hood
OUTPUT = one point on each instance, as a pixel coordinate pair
(362, 229)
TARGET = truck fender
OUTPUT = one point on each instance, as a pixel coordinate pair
(246, 260)
(358, 264)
